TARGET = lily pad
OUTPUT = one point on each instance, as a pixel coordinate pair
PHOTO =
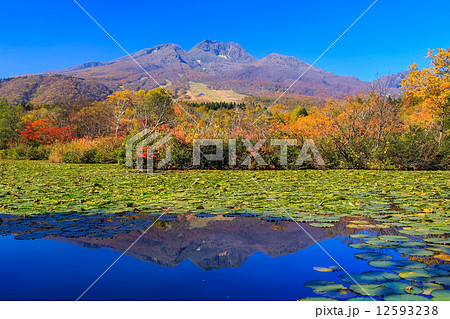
(362, 246)
(405, 297)
(411, 264)
(413, 244)
(324, 286)
(428, 287)
(381, 243)
(443, 241)
(441, 294)
(359, 236)
(393, 238)
(442, 280)
(370, 289)
(372, 256)
(399, 287)
(321, 225)
(324, 269)
(415, 275)
(381, 275)
(360, 299)
(414, 252)
(385, 264)
(357, 278)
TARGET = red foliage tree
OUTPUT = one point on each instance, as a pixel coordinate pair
(44, 132)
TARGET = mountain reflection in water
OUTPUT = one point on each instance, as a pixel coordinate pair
(210, 242)
(186, 256)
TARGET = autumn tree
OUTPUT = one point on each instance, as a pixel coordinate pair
(431, 86)
(156, 107)
(118, 104)
(93, 121)
(384, 109)
(45, 132)
(9, 121)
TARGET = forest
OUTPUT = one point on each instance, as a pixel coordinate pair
(375, 130)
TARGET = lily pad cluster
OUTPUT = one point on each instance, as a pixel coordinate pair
(397, 221)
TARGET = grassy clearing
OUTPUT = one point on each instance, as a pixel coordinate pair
(201, 92)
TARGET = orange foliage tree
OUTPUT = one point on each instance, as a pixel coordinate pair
(44, 132)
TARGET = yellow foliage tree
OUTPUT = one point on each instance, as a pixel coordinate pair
(431, 86)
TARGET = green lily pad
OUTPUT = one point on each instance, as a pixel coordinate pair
(360, 236)
(381, 275)
(384, 264)
(399, 287)
(372, 256)
(362, 246)
(443, 241)
(405, 297)
(324, 286)
(381, 243)
(428, 287)
(411, 264)
(393, 238)
(321, 225)
(440, 248)
(360, 299)
(414, 252)
(442, 280)
(441, 294)
(415, 275)
(370, 289)
(412, 244)
(357, 278)
(438, 272)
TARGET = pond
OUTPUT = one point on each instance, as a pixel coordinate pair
(208, 256)
(224, 235)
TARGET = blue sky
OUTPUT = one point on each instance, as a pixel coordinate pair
(51, 34)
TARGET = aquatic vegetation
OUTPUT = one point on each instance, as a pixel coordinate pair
(396, 222)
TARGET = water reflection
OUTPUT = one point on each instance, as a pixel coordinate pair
(364, 247)
(208, 241)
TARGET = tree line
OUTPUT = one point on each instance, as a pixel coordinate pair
(368, 131)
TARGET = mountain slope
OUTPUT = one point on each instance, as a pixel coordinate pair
(219, 66)
(51, 89)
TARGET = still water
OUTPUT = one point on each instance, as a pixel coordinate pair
(181, 257)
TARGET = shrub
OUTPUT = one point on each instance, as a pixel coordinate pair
(417, 149)
(101, 150)
(71, 157)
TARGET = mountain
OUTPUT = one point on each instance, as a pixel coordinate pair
(210, 66)
(52, 89)
(281, 69)
(219, 57)
(169, 60)
(393, 80)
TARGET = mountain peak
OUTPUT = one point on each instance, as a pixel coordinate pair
(163, 48)
(277, 59)
(212, 51)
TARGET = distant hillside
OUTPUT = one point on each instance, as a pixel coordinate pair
(211, 69)
(394, 80)
(51, 89)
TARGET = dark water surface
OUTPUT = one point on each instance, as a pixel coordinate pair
(182, 257)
